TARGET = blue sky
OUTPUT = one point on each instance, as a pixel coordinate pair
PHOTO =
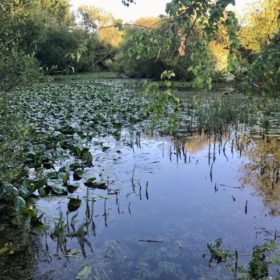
(141, 8)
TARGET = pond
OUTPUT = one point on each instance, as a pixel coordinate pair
(147, 205)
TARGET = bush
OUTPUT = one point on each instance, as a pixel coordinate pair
(17, 67)
(266, 68)
(53, 49)
(146, 54)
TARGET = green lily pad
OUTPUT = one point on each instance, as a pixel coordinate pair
(51, 175)
(78, 174)
(73, 187)
(56, 186)
(64, 176)
(74, 204)
(72, 252)
(95, 185)
(42, 192)
(84, 273)
(74, 166)
(90, 182)
(19, 203)
(86, 157)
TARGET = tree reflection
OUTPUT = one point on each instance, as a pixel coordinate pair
(263, 170)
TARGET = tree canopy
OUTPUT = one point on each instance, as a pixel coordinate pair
(200, 41)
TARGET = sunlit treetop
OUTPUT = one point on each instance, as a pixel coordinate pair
(261, 22)
(97, 20)
(150, 22)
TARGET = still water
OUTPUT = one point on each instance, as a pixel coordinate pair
(166, 199)
(152, 206)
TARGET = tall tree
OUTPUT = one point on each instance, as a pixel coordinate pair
(96, 19)
(261, 22)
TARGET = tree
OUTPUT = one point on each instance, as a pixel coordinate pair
(184, 36)
(149, 22)
(260, 24)
(95, 19)
(16, 65)
(22, 26)
(265, 70)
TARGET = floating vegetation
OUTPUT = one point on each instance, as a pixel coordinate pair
(261, 258)
(106, 196)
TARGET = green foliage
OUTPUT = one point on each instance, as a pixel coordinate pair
(17, 68)
(52, 50)
(265, 71)
(164, 107)
(260, 23)
(21, 25)
(129, 59)
(201, 66)
(92, 55)
(48, 123)
(258, 267)
(107, 28)
(16, 65)
(217, 253)
(180, 42)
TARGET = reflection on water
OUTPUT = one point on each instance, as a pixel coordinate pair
(263, 170)
(165, 200)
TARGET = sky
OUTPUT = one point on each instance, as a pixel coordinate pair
(142, 8)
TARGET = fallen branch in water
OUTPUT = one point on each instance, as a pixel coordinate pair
(150, 241)
(227, 186)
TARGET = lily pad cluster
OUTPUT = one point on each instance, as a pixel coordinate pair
(53, 124)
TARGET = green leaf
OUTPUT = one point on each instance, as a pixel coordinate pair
(74, 204)
(96, 185)
(56, 186)
(4, 250)
(78, 174)
(90, 182)
(19, 203)
(64, 176)
(84, 273)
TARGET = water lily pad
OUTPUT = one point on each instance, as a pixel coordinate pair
(74, 204)
(56, 186)
(84, 273)
(78, 174)
(72, 252)
(86, 157)
(90, 182)
(42, 192)
(96, 185)
(51, 175)
(19, 203)
(77, 150)
(57, 135)
(64, 176)
(73, 187)
(74, 166)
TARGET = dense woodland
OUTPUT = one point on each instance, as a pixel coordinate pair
(199, 41)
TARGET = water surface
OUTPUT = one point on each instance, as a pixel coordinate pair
(167, 199)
